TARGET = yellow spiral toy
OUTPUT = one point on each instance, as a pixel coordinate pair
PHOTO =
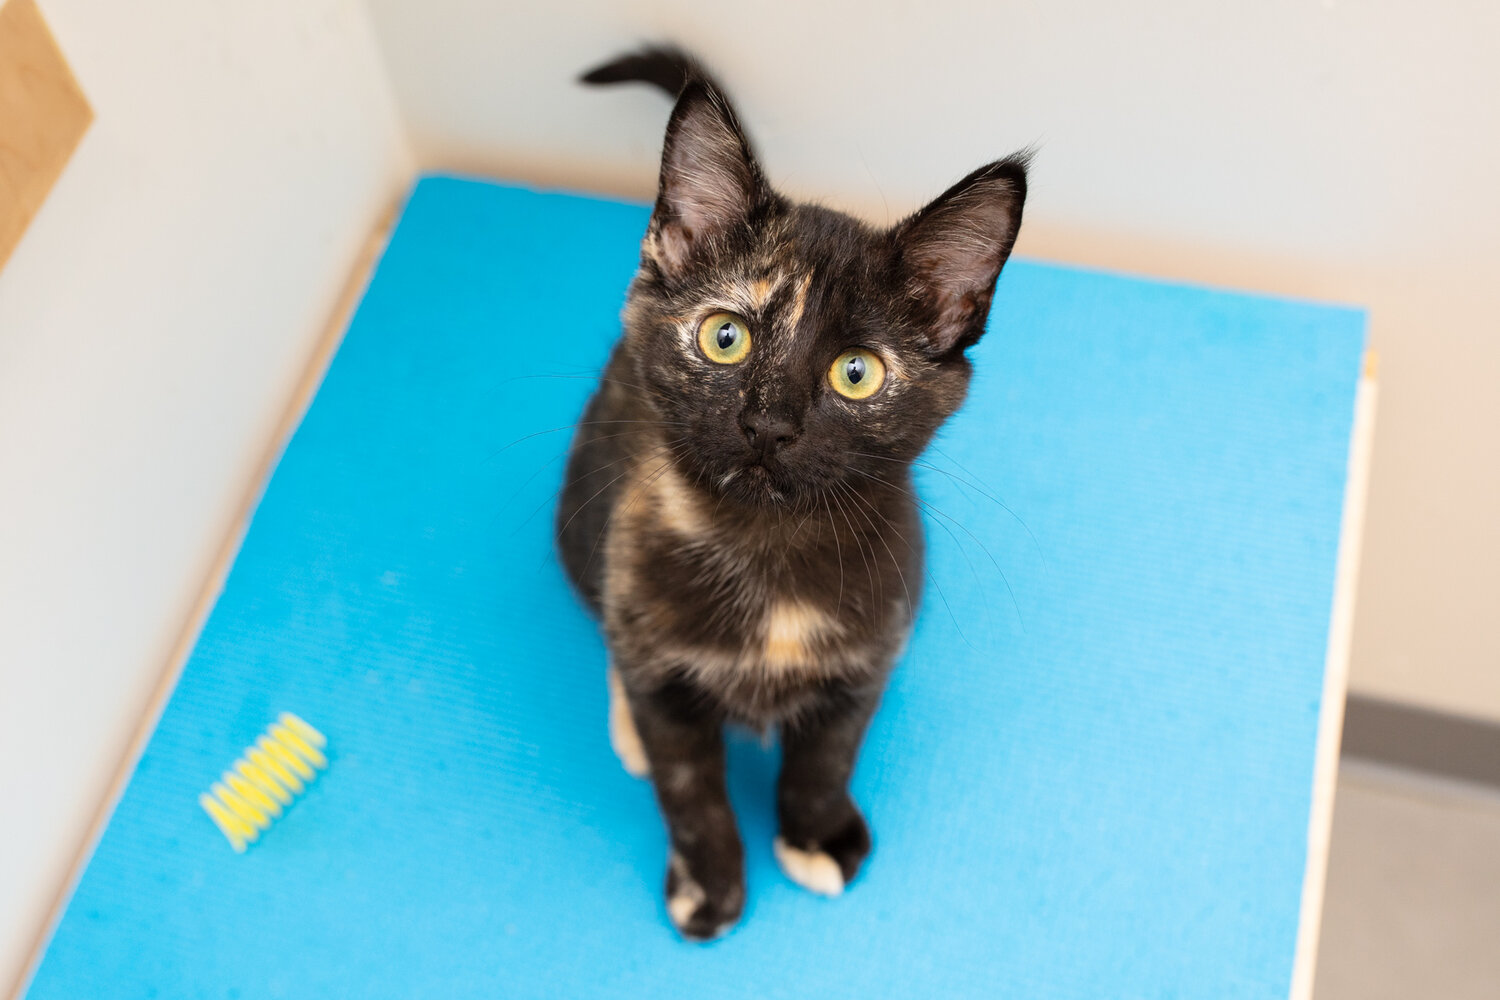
(249, 796)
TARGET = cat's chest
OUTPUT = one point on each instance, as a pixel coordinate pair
(737, 605)
(702, 593)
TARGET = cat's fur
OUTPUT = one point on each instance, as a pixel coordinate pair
(748, 536)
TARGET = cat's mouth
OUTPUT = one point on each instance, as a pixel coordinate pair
(754, 482)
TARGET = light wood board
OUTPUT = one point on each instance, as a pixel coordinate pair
(43, 116)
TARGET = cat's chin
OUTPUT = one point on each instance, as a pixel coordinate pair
(754, 486)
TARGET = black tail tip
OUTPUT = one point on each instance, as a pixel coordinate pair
(664, 66)
(610, 72)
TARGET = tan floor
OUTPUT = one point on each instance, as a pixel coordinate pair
(1413, 903)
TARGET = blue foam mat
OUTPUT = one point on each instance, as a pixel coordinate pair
(1091, 776)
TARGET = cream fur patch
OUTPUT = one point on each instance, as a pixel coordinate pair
(622, 732)
(748, 296)
(760, 293)
(812, 870)
(792, 630)
(799, 303)
(677, 505)
(689, 895)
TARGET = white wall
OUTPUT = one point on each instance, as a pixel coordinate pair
(1322, 148)
(153, 322)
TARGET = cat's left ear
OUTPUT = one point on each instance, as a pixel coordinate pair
(951, 252)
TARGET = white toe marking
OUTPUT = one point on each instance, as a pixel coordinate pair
(622, 734)
(812, 870)
(689, 894)
(681, 907)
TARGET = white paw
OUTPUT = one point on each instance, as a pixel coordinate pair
(622, 735)
(687, 895)
(812, 870)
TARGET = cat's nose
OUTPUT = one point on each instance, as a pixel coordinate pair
(767, 433)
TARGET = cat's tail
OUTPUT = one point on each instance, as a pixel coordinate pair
(669, 68)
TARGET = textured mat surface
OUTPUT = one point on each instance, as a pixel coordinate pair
(1091, 777)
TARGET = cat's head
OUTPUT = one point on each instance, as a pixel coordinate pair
(788, 347)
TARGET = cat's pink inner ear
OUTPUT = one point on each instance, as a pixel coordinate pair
(708, 176)
(953, 251)
(673, 246)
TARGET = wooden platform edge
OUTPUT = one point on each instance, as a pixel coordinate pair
(327, 344)
(1335, 682)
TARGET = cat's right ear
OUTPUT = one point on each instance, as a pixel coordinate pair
(710, 182)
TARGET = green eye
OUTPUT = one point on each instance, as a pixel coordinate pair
(724, 338)
(857, 373)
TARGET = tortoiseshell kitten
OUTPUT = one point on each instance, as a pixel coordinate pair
(738, 506)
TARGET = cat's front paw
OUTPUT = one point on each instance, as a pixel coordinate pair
(701, 910)
(825, 864)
